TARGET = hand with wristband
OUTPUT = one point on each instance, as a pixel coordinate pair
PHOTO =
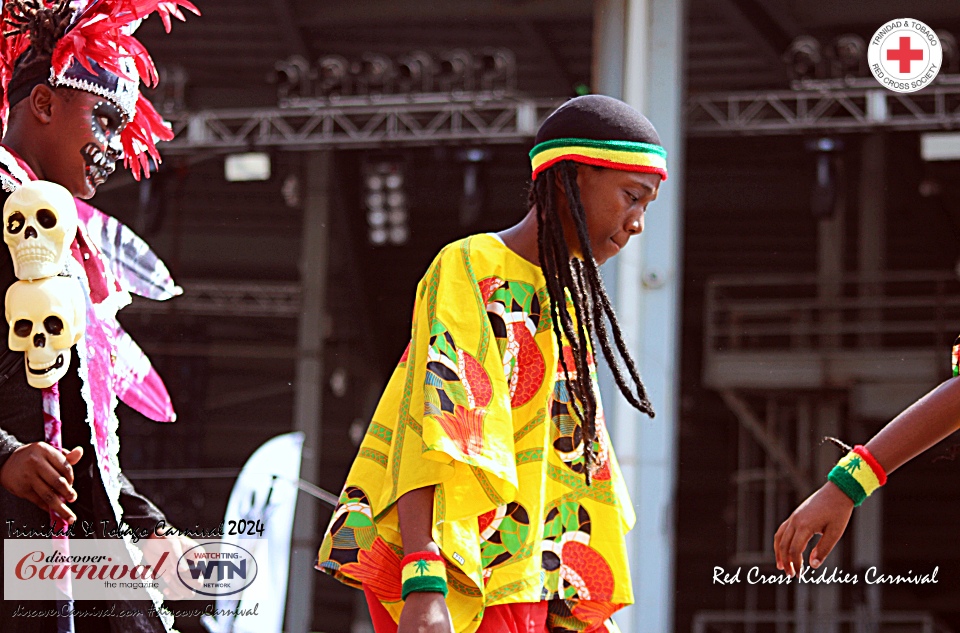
(424, 573)
(864, 469)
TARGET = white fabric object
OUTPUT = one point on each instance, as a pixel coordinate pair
(265, 491)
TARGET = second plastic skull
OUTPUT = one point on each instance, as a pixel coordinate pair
(46, 318)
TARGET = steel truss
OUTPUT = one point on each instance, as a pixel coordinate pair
(488, 118)
(234, 299)
(362, 122)
(829, 107)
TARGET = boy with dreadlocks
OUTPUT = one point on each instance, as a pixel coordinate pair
(71, 108)
(486, 495)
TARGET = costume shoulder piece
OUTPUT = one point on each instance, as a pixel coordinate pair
(12, 174)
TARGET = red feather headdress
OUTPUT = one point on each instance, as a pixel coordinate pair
(96, 52)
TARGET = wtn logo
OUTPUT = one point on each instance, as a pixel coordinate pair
(224, 568)
(218, 568)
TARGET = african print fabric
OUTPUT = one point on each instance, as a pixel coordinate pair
(478, 406)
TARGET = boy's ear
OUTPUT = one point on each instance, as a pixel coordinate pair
(41, 102)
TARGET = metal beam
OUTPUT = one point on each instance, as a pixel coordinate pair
(309, 382)
(648, 306)
(757, 26)
(290, 32)
(423, 119)
(705, 621)
(225, 298)
(427, 119)
(749, 420)
(367, 12)
(545, 50)
(773, 26)
(872, 225)
(827, 108)
(236, 396)
(252, 351)
(608, 34)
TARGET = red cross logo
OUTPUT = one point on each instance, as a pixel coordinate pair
(905, 54)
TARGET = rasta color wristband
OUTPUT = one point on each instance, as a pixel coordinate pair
(858, 474)
(423, 572)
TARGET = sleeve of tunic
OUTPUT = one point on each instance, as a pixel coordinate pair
(450, 405)
(444, 420)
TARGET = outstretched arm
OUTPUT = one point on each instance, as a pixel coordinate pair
(422, 612)
(828, 510)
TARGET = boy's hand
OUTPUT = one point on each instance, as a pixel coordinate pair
(425, 613)
(43, 475)
(826, 512)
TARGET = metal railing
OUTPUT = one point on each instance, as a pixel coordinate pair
(801, 312)
(804, 622)
(273, 299)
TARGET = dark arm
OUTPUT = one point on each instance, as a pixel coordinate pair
(8, 444)
(138, 511)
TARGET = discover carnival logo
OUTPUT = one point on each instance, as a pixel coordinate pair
(105, 569)
(905, 55)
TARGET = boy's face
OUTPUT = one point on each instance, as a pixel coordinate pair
(86, 129)
(614, 202)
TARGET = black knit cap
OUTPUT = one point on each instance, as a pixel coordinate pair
(30, 71)
(45, 25)
(598, 118)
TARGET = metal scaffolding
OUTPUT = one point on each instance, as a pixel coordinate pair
(488, 117)
(359, 122)
(236, 299)
(825, 107)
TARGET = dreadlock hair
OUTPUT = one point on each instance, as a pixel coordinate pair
(577, 281)
(44, 26)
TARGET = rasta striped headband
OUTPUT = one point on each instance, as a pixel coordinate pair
(624, 155)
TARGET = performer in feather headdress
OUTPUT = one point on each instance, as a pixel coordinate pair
(71, 109)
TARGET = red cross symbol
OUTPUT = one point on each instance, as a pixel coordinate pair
(905, 54)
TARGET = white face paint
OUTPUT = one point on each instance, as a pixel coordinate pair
(46, 318)
(39, 224)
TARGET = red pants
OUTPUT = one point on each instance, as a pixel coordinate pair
(502, 618)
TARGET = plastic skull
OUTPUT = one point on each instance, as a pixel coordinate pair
(46, 318)
(39, 224)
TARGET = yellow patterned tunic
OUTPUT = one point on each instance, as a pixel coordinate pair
(478, 407)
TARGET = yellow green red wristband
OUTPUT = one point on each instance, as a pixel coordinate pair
(423, 572)
(858, 474)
